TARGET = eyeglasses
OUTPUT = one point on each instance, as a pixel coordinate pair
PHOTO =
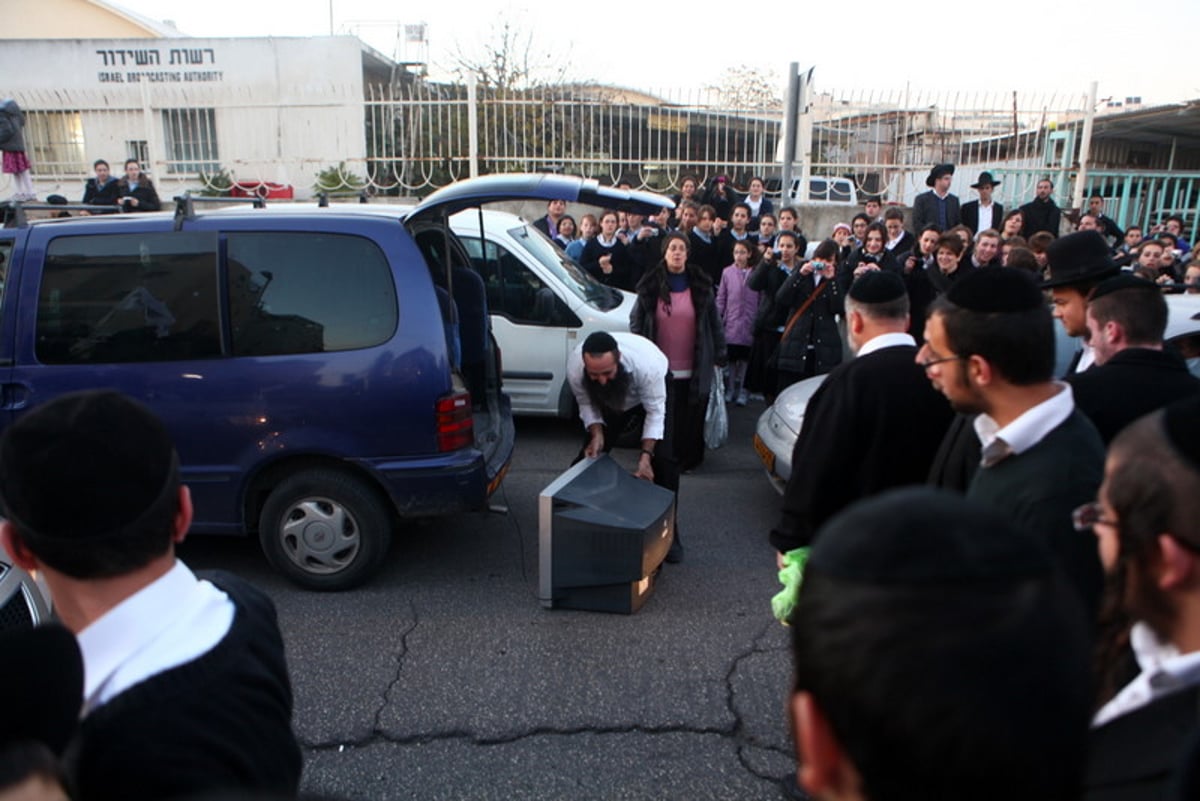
(925, 364)
(1088, 516)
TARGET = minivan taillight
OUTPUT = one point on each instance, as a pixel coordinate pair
(455, 426)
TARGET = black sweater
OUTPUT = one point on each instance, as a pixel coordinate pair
(222, 721)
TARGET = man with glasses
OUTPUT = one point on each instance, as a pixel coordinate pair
(1147, 527)
(989, 348)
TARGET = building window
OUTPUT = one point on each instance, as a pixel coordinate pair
(191, 140)
(54, 140)
(137, 149)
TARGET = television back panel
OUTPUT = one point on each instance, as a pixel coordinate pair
(602, 536)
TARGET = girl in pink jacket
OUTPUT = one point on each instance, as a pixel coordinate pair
(737, 305)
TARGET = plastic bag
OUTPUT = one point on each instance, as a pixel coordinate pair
(716, 421)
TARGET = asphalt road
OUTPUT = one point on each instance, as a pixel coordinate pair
(444, 678)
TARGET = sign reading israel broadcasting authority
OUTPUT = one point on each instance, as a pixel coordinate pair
(184, 65)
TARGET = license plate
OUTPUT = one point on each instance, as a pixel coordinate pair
(764, 453)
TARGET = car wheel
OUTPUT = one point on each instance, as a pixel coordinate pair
(325, 530)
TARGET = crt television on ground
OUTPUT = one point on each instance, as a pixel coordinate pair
(602, 536)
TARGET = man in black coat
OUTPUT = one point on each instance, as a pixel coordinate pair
(937, 206)
(874, 424)
(1133, 375)
(980, 215)
(1147, 526)
(1041, 213)
(548, 225)
(103, 189)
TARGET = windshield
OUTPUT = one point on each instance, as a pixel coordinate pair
(586, 288)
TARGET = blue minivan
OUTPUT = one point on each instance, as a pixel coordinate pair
(324, 371)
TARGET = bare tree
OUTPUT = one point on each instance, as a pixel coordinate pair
(509, 60)
(745, 87)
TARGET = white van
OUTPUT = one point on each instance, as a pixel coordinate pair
(542, 306)
(824, 189)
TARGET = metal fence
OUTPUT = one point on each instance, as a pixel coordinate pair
(411, 137)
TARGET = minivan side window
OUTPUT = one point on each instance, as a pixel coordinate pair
(301, 292)
(129, 298)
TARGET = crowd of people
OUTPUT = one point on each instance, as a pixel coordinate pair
(1024, 625)
(1027, 624)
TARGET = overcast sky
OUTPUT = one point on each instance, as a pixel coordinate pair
(1028, 45)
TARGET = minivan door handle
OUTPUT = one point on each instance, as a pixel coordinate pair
(14, 396)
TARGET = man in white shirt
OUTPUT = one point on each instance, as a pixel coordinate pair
(1147, 524)
(185, 682)
(982, 214)
(989, 348)
(622, 385)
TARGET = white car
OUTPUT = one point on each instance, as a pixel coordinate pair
(779, 426)
(542, 306)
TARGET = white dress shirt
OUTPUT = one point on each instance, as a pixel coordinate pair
(170, 621)
(647, 366)
(1032, 426)
(1164, 671)
(885, 341)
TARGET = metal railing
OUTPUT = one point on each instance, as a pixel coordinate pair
(412, 137)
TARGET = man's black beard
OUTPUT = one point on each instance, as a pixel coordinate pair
(610, 395)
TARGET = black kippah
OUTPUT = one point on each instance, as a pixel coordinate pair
(599, 342)
(921, 535)
(1120, 282)
(877, 286)
(996, 290)
(108, 455)
(1181, 421)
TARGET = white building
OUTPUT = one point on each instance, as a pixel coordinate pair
(262, 109)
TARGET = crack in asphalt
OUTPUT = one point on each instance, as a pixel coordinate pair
(743, 740)
(737, 730)
(385, 697)
(380, 737)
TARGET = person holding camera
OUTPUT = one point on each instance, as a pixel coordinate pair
(871, 255)
(136, 192)
(811, 343)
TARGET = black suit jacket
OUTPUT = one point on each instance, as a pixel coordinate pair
(875, 423)
(1132, 383)
(1134, 757)
(970, 215)
(925, 211)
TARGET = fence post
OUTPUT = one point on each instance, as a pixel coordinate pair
(806, 131)
(791, 108)
(1085, 147)
(472, 125)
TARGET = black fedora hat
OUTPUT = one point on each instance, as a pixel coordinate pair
(985, 177)
(938, 172)
(1081, 257)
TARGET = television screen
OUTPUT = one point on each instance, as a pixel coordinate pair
(602, 536)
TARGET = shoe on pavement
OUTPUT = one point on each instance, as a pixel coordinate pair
(743, 398)
(675, 552)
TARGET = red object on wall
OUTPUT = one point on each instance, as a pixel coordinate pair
(263, 189)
